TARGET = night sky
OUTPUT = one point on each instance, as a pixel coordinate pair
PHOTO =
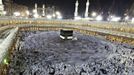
(117, 7)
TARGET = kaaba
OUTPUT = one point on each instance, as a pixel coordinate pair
(66, 34)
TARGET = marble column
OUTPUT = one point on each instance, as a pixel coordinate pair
(87, 7)
(43, 10)
(76, 9)
(36, 9)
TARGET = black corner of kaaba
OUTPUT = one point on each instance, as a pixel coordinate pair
(66, 34)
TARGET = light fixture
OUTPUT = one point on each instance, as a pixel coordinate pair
(99, 18)
(132, 20)
(54, 15)
(127, 18)
(94, 14)
(17, 13)
(5, 61)
(59, 17)
(34, 11)
(78, 18)
(36, 15)
(58, 13)
(49, 16)
(27, 12)
(4, 12)
(116, 19)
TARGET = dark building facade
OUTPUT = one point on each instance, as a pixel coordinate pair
(11, 7)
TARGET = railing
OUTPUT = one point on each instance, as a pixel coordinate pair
(5, 47)
(116, 26)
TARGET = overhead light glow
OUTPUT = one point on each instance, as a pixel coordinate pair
(27, 12)
(59, 17)
(54, 15)
(94, 14)
(127, 18)
(58, 13)
(132, 20)
(99, 18)
(4, 12)
(5, 61)
(34, 11)
(116, 19)
(49, 16)
(77, 18)
(17, 13)
(36, 15)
